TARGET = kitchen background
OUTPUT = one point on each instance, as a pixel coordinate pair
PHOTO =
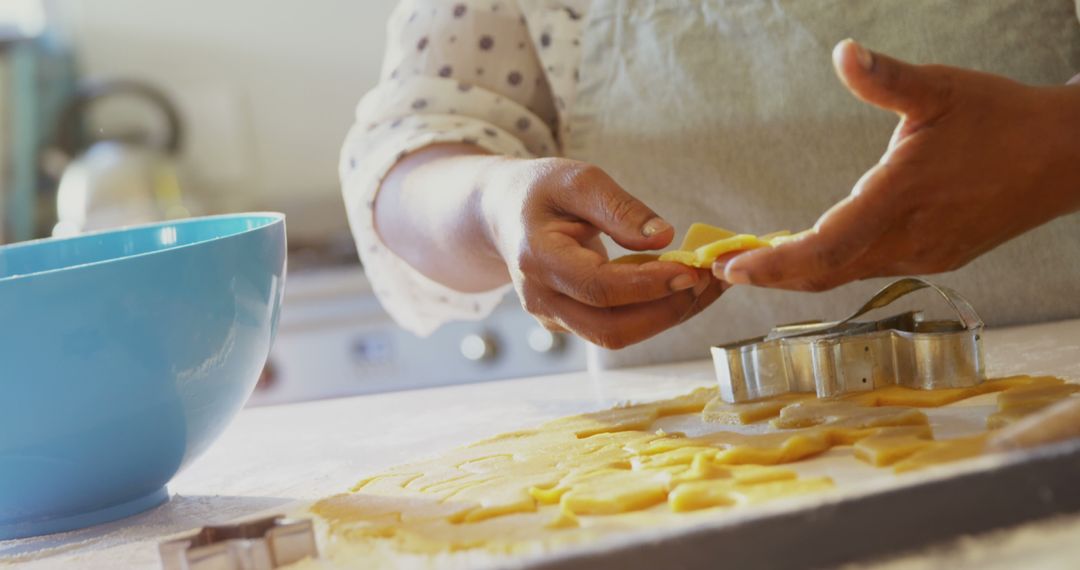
(115, 112)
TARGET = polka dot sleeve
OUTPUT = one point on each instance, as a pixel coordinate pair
(457, 72)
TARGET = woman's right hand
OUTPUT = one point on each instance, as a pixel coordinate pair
(544, 218)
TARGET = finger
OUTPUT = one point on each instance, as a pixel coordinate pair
(566, 267)
(919, 93)
(550, 324)
(592, 195)
(705, 279)
(820, 259)
(815, 262)
(619, 327)
(710, 293)
(720, 263)
(596, 245)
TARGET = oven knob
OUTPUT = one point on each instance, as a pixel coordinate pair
(544, 341)
(478, 347)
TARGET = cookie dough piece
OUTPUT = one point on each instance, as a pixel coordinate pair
(1008, 382)
(637, 417)
(773, 449)
(612, 491)
(718, 411)
(889, 445)
(704, 256)
(701, 495)
(1021, 401)
(691, 403)
(999, 419)
(500, 496)
(733, 448)
(391, 482)
(845, 414)
(704, 468)
(678, 456)
(704, 243)
(1034, 396)
(902, 396)
(941, 452)
(563, 519)
(707, 484)
(724, 493)
(753, 494)
(351, 508)
(700, 234)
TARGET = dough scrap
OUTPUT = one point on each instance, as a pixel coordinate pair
(945, 451)
(902, 396)
(1023, 400)
(724, 493)
(1034, 396)
(890, 445)
(840, 413)
(718, 411)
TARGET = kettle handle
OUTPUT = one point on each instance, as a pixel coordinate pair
(70, 139)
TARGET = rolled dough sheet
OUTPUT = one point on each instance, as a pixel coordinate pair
(645, 466)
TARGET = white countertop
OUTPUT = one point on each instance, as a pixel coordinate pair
(271, 457)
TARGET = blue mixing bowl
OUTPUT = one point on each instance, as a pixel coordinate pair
(123, 354)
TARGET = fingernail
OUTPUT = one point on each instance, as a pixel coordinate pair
(718, 269)
(863, 56)
(680, 282)
(655, 226)
(736, 276)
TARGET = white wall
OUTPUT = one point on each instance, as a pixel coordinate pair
(267, 88)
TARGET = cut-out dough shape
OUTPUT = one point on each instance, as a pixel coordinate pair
(890, 445)
(704, 243)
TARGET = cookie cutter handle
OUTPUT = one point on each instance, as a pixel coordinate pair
(883, 298)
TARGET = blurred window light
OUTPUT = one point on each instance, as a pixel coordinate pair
(22, 18)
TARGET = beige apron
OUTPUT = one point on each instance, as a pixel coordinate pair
(728, 112)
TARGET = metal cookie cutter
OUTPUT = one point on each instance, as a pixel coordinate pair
(254, 545)
(850, 356)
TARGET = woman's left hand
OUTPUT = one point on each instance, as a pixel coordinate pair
(976, 160)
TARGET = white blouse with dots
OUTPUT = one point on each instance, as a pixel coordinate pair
(486, 72)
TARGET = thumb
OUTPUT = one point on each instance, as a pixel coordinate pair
(916, 92)
(600, 201)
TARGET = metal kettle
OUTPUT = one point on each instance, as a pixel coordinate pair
(115, 179)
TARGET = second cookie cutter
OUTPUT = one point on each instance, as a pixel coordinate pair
(845, 356)
(261, 544)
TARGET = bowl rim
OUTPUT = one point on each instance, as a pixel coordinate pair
(275, 218)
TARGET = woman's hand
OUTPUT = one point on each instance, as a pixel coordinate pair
(544, 218)
(976, 160)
